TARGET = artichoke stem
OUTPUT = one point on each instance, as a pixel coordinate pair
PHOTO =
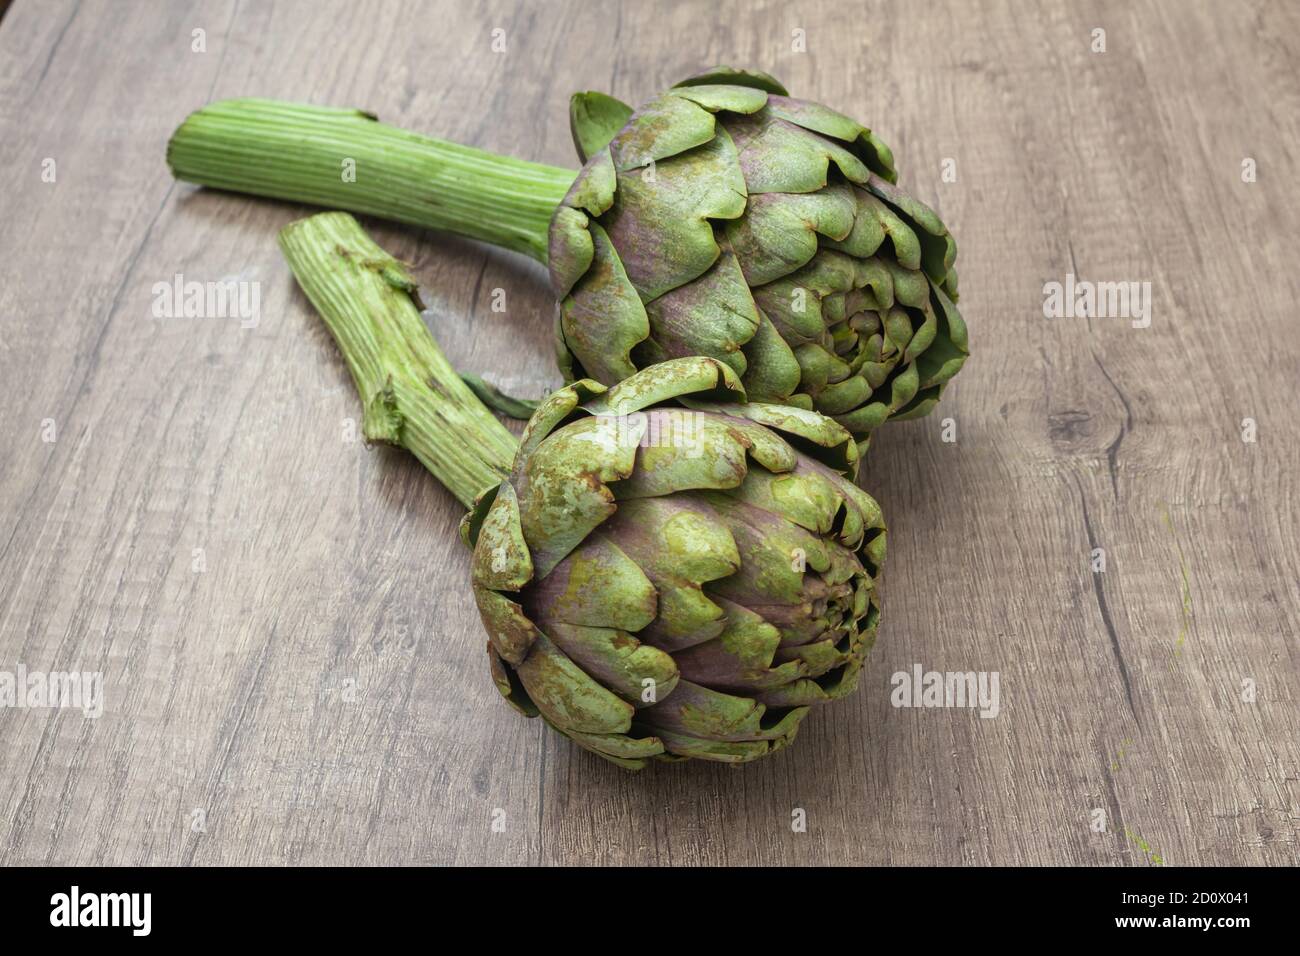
(411, 394)
(347, 159)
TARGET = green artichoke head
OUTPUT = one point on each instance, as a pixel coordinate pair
(670, 572)
(728, 220)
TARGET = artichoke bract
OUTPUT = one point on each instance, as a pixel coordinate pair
(664, 571)
(727, 219)
(723, 219)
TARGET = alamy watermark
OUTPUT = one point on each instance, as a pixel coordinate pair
(224, 299)
(82, 690)
(1082, 299)
(679, 429)
(133, 911)
(922, 688)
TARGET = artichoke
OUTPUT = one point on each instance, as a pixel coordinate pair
(664, 571)
(663, 580)
(723, 219)
(726, 219)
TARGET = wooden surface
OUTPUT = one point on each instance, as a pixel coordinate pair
(330, 566)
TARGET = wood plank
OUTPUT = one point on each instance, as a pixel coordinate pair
(326, 562)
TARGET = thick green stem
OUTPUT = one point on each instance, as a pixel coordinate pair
(412, 395)
(347, 159)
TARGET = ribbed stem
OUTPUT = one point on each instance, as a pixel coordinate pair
(347, 159)
(412, 395)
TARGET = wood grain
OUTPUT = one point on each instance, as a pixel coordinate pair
(328, 563)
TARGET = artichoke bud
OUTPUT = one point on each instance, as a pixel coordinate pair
(726, 219)
(669, 572)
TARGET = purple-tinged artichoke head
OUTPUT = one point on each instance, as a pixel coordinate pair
(669, 572)
(727, 219)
